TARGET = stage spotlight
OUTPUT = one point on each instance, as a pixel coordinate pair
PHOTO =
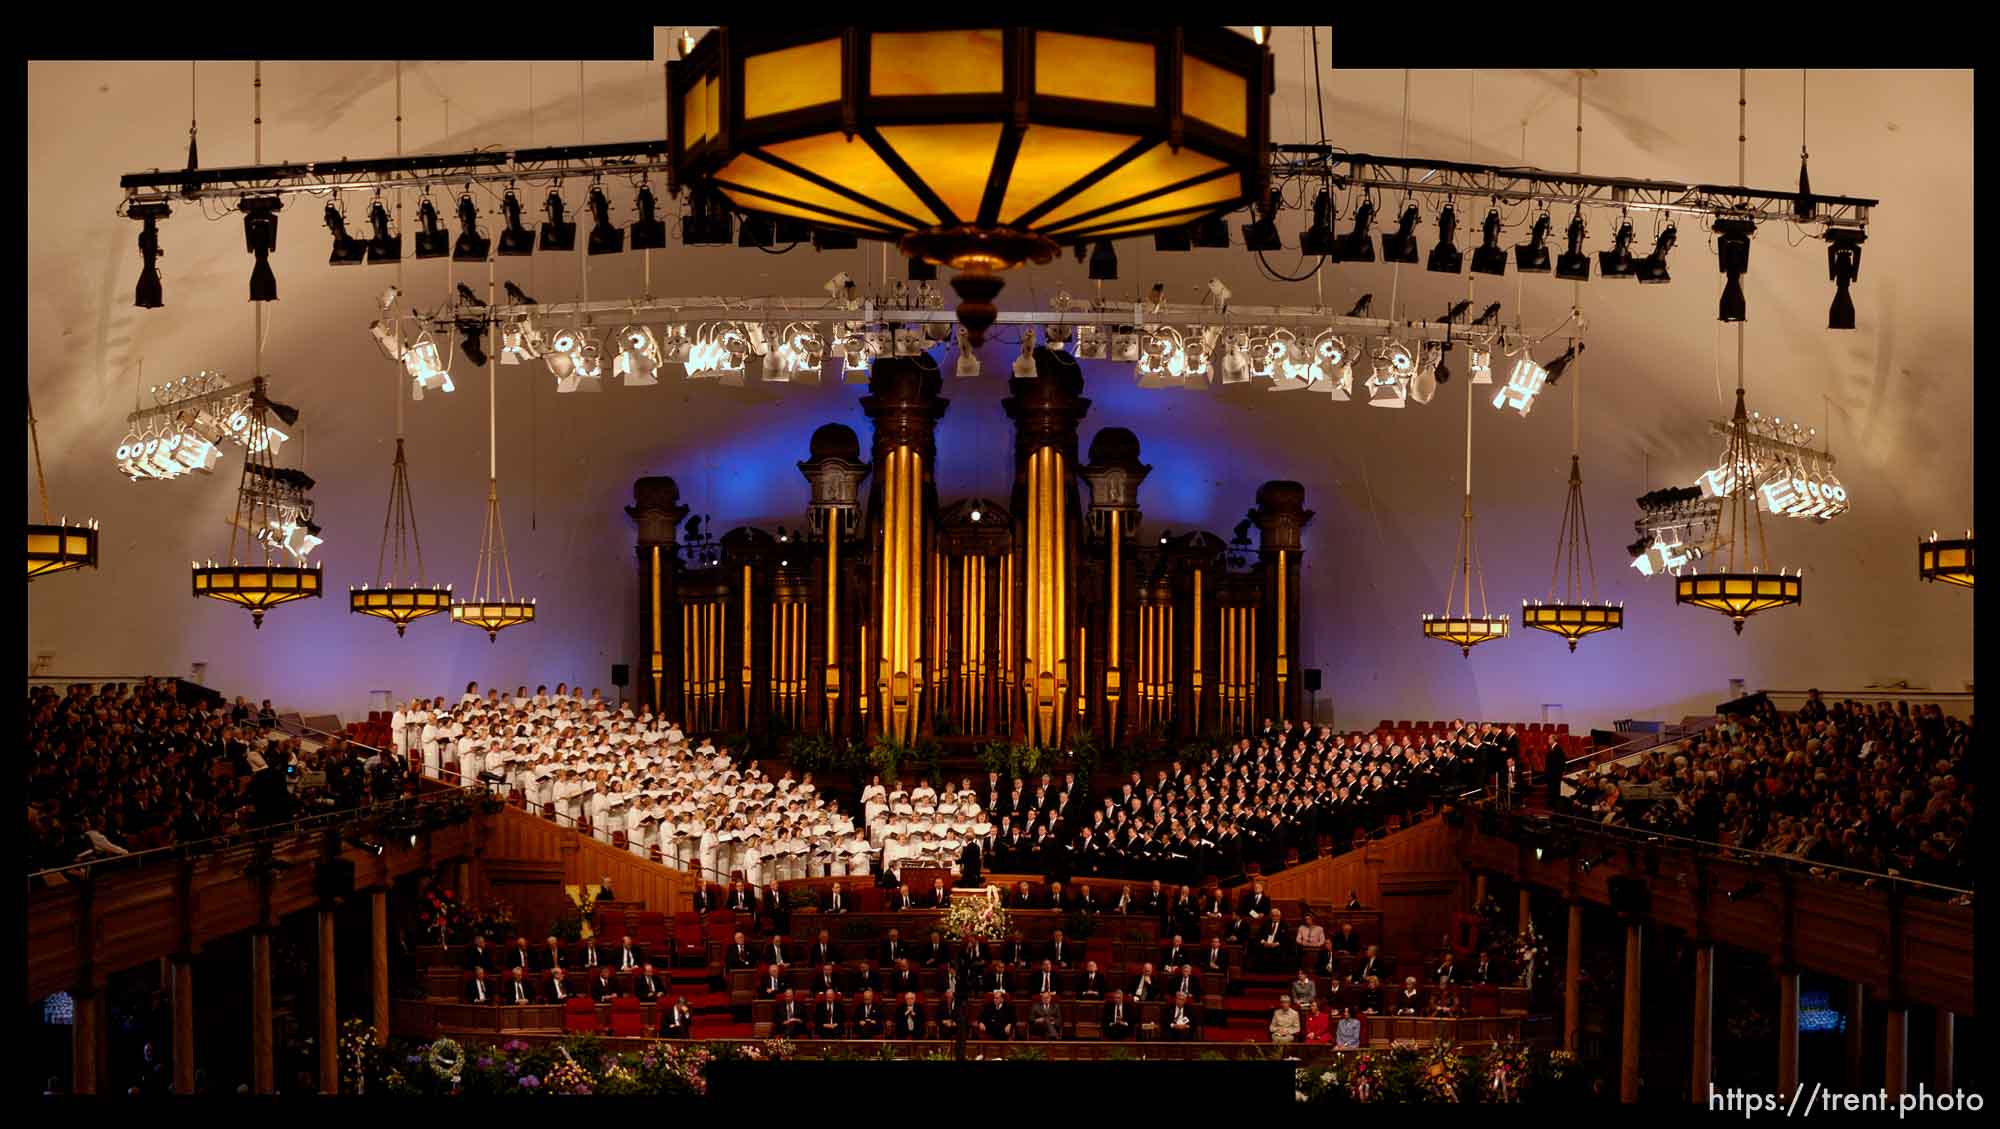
(558, 234)
(1843, 265)
(1446, 258)
(471, 247)
(384, 246)
(1573, 264)
(1489, 257)
(1024, 365)
(1733, 256)
(1561, 364)
(347, 250)
(1400, 245)
(1653, 268)
(707, 222)
(606, 238)
(1318, 240)
(638, 360)
(1362, 305)
(147, 295)
(1173, 239)
(1103, 262)
(473, 342)
(1261, 233)
(1617, 262)
(515, 238)
(648, 232)
(1212, 232)
(520, 342)
(260, 235)
(433, 241)
(754, 232)
(515, 296)
(1522, 386)
(1355, 246)
(827, 240)
(1532, 257)
(466, 296)
(1385, 389)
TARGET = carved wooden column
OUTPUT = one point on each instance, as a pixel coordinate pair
(1896, 1047)
(834, 473)
(329, 1020)
(1573, 977)
(86, 1028)
(1114, 474)
(1628, 1063)
(657, 510)
(1857, 1015)
(182, 992)
(904, 405)
(378, 968)
(1704, 1020)
(1281, 518)
(1047, 409)
(1788, 1028)
(263, 1072)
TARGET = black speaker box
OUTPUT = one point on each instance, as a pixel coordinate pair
(1312, 680)
(621, 674)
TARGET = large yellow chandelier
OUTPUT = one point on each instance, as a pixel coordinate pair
(55, 546)
(1741, 589)
(1947, 561)
(979, 149)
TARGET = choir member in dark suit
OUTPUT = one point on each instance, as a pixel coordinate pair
(932, 954)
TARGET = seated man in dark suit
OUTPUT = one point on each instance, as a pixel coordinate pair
(1179, 1020)
(771, 982)
(1061, 952)
(1057, 899)
(1346, 940)
(629, 956)
(940, 895)
(976, 951)
(601, 986)
(1215, 958)
(678, 1021)
(477, 955)
(836, 900)
(1187, 983)
(551, 956)
(865, 979)
(521, 956)
(1045, 1017)
(1272, 943)
(823, 951)
(1021, 897)
(893, 948)
(739, 954)
(1142, 985)
(704, 901)
(909, 1023)
(996, 978)
(741, 899)
(1176, 953)
(829, 1017)
(775, 907)
(789, 1019)
(1043, 979)
(779, 952)
(903, 899)
(1484, 972)
(648, 984)
(1090, 985)
(1086, 900)
(1015, 951)
(518, 989)
(558, 989)
(1371, 964)
(933, 953)
(947, 1014)
(826, 980)
(868, 1017)
(996, 1019)
(588, 956)
(1118, 1017)
(477, 990)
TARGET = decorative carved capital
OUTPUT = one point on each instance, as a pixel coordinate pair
(1281, 516)
(656, 507)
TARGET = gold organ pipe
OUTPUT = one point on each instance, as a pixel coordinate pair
(832, 609)
(1283, 659)
(659, 669)
(687, 662)
(1112, 654)
(748, 617)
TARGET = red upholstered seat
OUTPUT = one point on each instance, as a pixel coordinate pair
(625, 1016)
(580, 1014)
(619, 840)
(690, 942)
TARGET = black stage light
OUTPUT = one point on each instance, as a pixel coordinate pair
(755, 231)
(707, 222)
(433, 241)
(1489, 257)
(147, 295)
(1362, 306)
(260, 235)
(558, 234)
(1400, 245)
(474, 341)
(648, 232)
(1318, 240)
(384, 246)
(827, 239)
(922, 270)
(787, 233)
(466, 296)
(1261, 233)
(1574, 264)
(1103, 262)
(1561, 364)
(1532, 257)
(471, 247)
(1617, 262)
(1355, 246)
(1446, 258)
(1732, 238)
(606, 238)
(1212, 232)
(1843, 265)
(1653, 268)
(1443, 371)
(515, 296)
(1173, 239)
(515, 238)
(347, 250)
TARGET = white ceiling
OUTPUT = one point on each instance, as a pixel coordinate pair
(1897, 391)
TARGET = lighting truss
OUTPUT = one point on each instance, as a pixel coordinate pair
(549, 163)
(1789, 477)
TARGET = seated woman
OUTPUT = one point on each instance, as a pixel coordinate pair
(1318, 1027)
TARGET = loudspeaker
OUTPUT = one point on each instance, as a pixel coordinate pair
(621, 674)
(1312, 680)
(333, 879)
(1629, 895)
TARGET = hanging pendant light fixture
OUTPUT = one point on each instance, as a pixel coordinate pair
(1744, 587)
(978, 149)
(1947, 561)
(1463, 629)
(266, 502)
(493, 607)
(395, 596)
(55, 546)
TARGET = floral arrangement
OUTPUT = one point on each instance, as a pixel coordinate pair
(447, 1061)
(1503, 1069)
(984, 918)
(1437, 1075)
(568, 1077)
(441, 915)
(358, 1055)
